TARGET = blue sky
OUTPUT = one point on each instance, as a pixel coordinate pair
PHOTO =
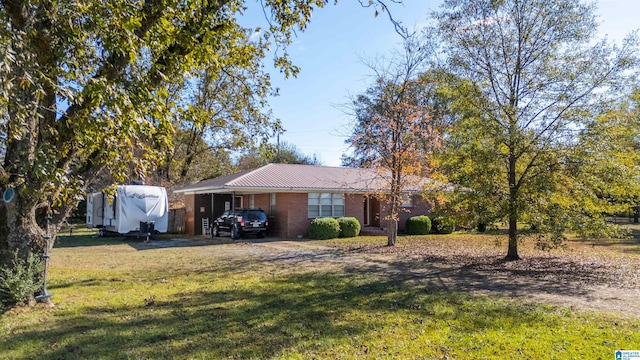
(330, 54)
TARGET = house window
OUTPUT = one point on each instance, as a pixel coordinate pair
(252, 201)
(272, 203)
(407, 201)
(325, 205)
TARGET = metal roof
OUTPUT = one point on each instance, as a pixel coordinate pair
(293, 178)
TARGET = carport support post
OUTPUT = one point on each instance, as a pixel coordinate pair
(213, 197)
(233, 203)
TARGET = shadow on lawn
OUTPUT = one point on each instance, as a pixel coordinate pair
(311, 312)
(175, 241)
(85, 240)
(536, 276)
(161, 241)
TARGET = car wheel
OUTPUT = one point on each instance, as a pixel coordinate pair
(235, 234)
(215, 232)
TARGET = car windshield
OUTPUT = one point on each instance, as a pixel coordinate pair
(255, 216)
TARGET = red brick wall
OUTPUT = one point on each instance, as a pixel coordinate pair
(354, 206)
(201, 210)
(278, 219)
(261, 201)
(189, 220)
(297, 215)
(420, 207)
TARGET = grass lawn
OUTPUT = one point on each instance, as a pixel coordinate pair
(205, 299)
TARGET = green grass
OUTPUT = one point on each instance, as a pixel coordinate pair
(120, 299)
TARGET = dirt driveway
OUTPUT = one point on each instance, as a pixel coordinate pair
(597, 280)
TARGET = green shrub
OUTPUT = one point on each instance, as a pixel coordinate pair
(443, 225)
(21, 280)
(418, 225)
(349, 227)
(324, 228)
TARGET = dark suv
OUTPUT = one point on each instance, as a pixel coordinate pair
(241, 221)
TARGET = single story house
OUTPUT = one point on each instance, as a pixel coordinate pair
(293, 195)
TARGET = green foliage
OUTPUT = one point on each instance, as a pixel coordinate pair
(349, 227)
(418, 225)
(194, 159)
(514, 150)
(92, 92)
(443, 225)
(287, 153)
(21, 279)
(324, 228)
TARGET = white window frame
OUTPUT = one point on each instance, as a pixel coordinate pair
(406, 200)
(325, 205)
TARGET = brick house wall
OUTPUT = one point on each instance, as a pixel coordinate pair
(189, 219)
(289, 217)
(420, 207)
(297, 220)
(261, 201)
(354, 207)
(293, 217)
(201, 209)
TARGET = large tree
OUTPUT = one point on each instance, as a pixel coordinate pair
(85, 88)
(394, 131)
(224, 108)
(538, 76)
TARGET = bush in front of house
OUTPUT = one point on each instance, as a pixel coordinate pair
(443, 225)
(349, 227)
(418, 225)
(324, 228)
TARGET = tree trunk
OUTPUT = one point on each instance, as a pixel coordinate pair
(392, 224)
(512, 253)
(186, 164)
(392, 232)
(20, 232)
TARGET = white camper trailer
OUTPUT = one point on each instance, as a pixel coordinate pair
(135, 209)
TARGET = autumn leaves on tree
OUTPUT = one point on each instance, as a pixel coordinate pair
(394, 131)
